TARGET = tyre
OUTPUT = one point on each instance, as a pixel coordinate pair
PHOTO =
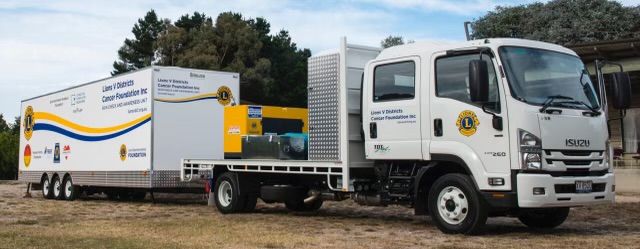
(47, 192)
(250, 201)
(227, 195)
(69, 192)
(57, 188)
(455, 206)
(301, 206)
(543, 217)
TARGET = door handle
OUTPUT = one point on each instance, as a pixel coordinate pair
(373, 130)
(437, 127)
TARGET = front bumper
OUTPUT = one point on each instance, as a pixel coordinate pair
(526, 198)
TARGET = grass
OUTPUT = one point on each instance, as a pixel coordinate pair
(179, 223)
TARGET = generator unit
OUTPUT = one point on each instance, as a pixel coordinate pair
(243, 120)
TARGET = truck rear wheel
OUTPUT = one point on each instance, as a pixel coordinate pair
(544, 217)
(455, 206)
(227, 195)
(47, 192)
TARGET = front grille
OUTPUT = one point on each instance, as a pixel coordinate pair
(571, 188)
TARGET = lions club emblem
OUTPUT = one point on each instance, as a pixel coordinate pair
(467, 123)
(123, 152)
(224, 95)
(28, 123)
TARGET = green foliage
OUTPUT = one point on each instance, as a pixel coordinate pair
(562, 22)
(139, 52)
(9, 143)
(391, 41)
(273, 71)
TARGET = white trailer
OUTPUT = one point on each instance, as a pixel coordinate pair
(124, 135)
(458, 131)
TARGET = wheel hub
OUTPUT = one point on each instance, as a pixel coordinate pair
(225, 193)
(453, 205)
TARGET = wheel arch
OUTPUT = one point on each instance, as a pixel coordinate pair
(427, 175)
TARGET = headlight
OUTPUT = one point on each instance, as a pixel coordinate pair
(530, 150)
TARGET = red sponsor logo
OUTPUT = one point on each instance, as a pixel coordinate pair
(66, 150)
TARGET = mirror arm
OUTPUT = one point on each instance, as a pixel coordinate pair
(484, 109)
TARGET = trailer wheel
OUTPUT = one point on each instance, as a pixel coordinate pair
(70, 192)
(57, 188)
(301, 206)
(455, 206)
(226, 194)
(47, 192)
(544, 217)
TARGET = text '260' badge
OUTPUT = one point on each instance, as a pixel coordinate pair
(467, 123)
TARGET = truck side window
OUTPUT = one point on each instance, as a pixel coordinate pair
(394, 81)
(452, 80)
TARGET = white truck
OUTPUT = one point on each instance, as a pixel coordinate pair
(124, 135)
(457, 131)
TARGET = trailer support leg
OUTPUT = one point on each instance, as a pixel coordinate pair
(28, 194)
(153, 198)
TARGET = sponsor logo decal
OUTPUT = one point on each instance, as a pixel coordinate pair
(467, 123)
(56, 153)
(224, 95)
(47, 151)
(233, 130)
(381, 149)
(27, 156)
(66, 150)
(255, 112)
(28, 122)
(573, 142)
(123, 152)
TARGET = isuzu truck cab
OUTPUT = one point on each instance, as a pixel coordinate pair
(458, 131)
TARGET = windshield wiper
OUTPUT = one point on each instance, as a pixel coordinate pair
(593, 110)
(550, 100)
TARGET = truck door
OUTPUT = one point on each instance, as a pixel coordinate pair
(391, 118)
(460, 127)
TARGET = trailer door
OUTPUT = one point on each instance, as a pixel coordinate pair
(391, 121)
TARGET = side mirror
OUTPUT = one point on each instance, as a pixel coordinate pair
(621, 88)
(479, 81)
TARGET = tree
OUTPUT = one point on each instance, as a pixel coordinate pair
(9, 144)
(3, 124)
(391, 41)
(273, 71)
(139, 52)
(564, 22)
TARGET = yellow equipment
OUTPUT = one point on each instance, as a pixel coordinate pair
(243, 120)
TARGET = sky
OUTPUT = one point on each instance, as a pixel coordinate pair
(50, 45)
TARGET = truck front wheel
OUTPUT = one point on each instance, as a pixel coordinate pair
(543, 217)
(227, 195)
(455, 206)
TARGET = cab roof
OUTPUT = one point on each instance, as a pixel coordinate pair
(422, 48)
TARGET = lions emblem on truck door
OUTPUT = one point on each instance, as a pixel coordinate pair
(28, 122)
(467, 123)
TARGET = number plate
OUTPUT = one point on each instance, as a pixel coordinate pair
(584, 186)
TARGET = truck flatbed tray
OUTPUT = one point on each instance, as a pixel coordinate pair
(191, 166)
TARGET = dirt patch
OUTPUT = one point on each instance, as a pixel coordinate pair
(186, 221)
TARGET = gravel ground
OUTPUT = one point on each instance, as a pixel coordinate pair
(185, 221)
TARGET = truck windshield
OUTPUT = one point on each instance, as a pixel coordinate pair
(536, 74)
